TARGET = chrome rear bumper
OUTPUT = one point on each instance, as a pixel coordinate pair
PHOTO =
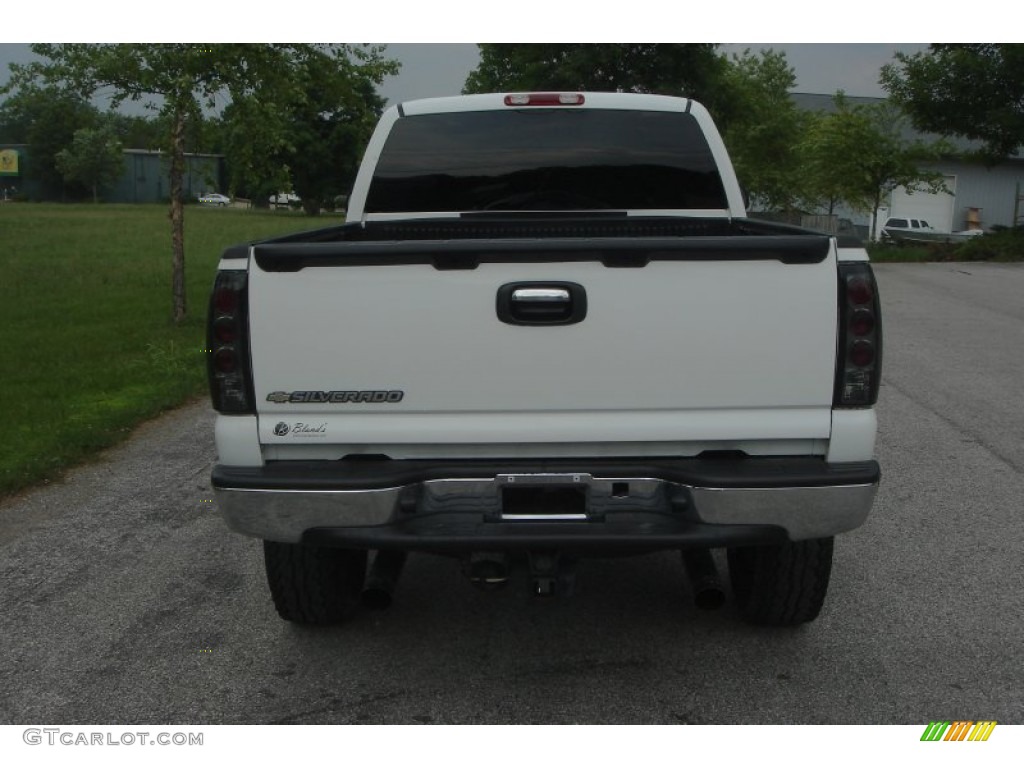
(287, 502)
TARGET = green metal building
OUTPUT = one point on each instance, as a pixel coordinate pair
(145, 178)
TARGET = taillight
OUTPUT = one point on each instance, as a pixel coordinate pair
(544, 100)
(227, 342)
(859, 355)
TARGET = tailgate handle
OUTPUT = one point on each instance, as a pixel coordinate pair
(541, 303)
(540, 295)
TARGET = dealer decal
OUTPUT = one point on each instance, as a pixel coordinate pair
(300, 429)
(338, 396)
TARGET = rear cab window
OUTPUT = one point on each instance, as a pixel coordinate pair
(547, 160)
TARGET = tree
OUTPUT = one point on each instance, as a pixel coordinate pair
(858, 154)
(328, 140)
(152, 131)
(673, 69)
(317, 135)
(46, 118)
(825, 163)
(971, 90)
(762, 127)
(179, 81)
(95, 158)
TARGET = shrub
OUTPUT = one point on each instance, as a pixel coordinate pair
(1004, 245)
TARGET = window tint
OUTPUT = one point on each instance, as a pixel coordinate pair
(545, 159)
(896, 223)
(914, 224)
(925, 224)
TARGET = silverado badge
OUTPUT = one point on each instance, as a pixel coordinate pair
(338, 396)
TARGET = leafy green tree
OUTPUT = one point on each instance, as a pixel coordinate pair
(675, 69)
(971, 90)
(331, 131)
(858, 154)
(255, 139)
(825, 168)
(46, 118)
(139, 131)
(179, 81)
(314, 139)
(762, 127)
(152, 131)
(95, 158)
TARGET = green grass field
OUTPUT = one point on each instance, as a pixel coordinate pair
(86, 340)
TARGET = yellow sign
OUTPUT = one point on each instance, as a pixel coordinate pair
(8, 162)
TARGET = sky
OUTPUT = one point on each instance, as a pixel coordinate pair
(440, 69)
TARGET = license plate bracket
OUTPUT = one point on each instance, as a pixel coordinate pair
(544, 497)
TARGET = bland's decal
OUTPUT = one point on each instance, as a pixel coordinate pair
(338, 396)
(300, 428)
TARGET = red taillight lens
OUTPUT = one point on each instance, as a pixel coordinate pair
(225, 330)
(858, 291)
(859, 349)
(224, 360)
(225, 301)
(862, 353)
(228, 342)
(862, 322)
(544, 100)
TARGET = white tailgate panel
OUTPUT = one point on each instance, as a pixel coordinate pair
(671, 351)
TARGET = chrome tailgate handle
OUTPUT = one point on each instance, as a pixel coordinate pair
(541, 303)
(541, 295)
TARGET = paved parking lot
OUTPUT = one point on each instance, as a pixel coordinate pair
(125, 600)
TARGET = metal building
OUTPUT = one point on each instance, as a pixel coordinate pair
(145, 178)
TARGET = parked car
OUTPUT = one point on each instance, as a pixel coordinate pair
(285, 200)
(896, 229)
(214, 198)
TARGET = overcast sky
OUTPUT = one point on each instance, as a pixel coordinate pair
(440, 69)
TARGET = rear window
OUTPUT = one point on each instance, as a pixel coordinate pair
(897, 223)
(547, 160)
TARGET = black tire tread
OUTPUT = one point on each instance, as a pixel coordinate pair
(781, 585)
(314, 585)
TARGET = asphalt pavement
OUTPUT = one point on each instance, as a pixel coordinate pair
(125, 600)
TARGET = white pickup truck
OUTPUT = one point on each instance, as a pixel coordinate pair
(546, 331)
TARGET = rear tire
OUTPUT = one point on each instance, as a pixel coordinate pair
(314, 585)
(781, 585)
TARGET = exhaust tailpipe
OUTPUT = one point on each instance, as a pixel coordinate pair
(380, 583)
(708, 593)
(488, 570)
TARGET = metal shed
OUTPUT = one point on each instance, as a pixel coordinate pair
(146, 177)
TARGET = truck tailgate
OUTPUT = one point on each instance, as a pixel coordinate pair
(675, 349)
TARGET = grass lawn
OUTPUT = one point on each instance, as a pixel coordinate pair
(87, 345)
